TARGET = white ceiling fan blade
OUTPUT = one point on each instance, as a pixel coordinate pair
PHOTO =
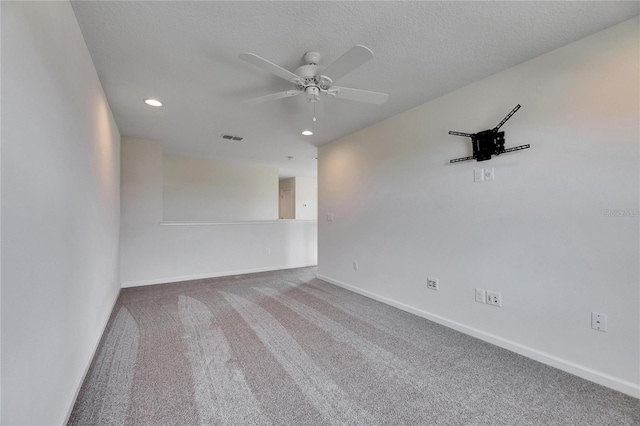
(346, 63)
(269, 66)
(360, 95)
(273, 96)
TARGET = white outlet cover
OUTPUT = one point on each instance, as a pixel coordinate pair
(598, 321)
(494, 299)
(481, 295)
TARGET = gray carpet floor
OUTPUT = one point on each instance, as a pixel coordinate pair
(285, 348)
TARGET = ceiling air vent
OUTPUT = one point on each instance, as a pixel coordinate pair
(233, 138)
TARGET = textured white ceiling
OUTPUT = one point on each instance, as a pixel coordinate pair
(186, 54)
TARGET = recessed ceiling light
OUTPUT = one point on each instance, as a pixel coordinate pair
(153, 102)
(307, 132)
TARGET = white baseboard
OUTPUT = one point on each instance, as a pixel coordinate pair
(90, 360)
(174, 279)
(595, 376)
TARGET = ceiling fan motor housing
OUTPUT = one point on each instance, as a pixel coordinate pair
(308, 72)
(311, 76)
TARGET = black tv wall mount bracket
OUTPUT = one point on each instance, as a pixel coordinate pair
(488, 142)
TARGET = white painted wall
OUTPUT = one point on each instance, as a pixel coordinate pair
(306, 198)
(60, 211)
(305, 191)
(197, 189)
(153, 252)
(541, 233)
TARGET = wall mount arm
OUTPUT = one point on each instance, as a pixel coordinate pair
(488, 142)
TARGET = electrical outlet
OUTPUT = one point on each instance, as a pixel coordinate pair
(494, 299)
(598, 321)
(329, 217)
(481, 295)
(267, 250)
(355, 265)
(478, 175)
(432, 283)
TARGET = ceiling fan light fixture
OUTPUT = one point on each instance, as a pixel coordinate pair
(153, 102)
(307, 132)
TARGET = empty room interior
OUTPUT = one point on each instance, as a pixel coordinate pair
(319, 213)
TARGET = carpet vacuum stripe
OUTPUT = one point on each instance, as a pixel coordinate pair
(328, 398)
(221, 392)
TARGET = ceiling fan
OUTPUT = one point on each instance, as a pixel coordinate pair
(314, 80)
